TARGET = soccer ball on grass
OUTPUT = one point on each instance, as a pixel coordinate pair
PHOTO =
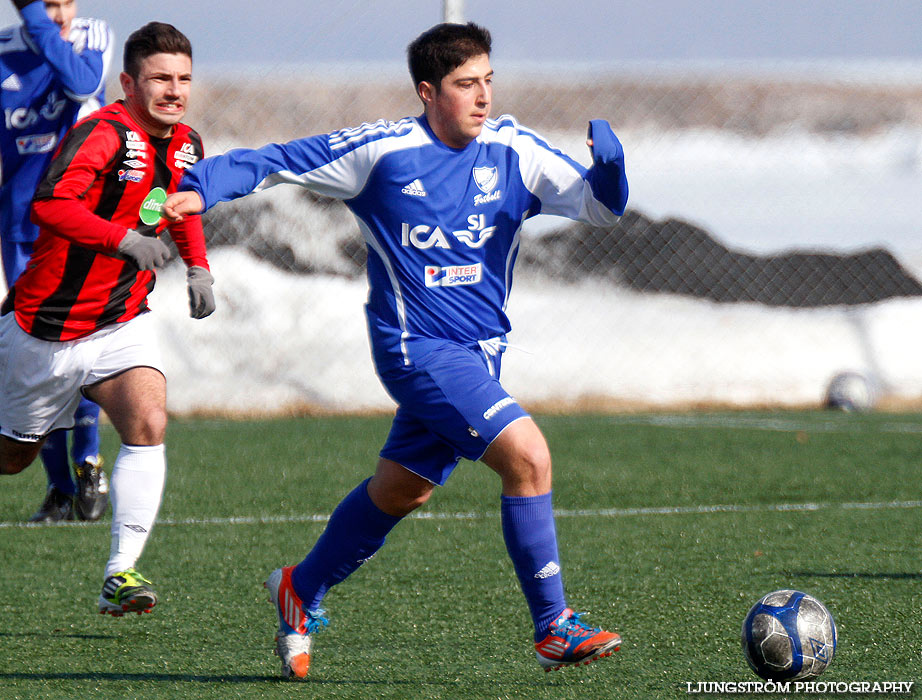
(851, 392)
(789, 635)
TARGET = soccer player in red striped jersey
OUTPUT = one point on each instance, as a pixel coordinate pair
(76, 320)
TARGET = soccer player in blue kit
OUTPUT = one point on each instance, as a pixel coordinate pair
(440, 200)
(52, 71)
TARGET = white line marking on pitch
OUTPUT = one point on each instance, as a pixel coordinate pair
(830, 425)
(560, 513)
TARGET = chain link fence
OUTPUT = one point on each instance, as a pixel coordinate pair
(770, 244)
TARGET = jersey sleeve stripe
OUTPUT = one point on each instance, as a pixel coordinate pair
(368, 132)
(506, 122)
(97, 36)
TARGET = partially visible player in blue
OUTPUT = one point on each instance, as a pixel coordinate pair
(440, 199)
(52, 70)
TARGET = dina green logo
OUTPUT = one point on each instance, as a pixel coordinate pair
(151, 206)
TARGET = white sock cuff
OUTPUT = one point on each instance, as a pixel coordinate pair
(141, 449)
(140, 458)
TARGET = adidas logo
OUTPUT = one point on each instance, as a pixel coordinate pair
(415, 189)
(11, 83)
(112, 584)
(548, 570)
(291, 606)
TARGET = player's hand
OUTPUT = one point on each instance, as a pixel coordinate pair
(22, 3)
(147, 252)
(201, 295)
(180, 204)
(602, 142)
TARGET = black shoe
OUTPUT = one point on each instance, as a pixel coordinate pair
(56, 506)
(92, 490)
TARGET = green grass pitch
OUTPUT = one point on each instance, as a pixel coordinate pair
(670, 526)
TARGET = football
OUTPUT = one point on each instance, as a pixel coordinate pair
(789, 635)
(850, 392)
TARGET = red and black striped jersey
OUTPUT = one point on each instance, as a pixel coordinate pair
(108, 176)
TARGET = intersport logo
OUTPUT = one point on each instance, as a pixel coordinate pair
(453, 275)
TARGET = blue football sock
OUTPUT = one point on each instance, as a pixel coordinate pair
(531, 540)
(356, 530)
(86, 432)
(57, 466)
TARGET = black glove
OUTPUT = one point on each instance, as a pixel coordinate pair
(201, 296)
(22, 3)
(147, 252)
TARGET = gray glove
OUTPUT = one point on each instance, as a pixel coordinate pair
(201, 296)
(147, 252)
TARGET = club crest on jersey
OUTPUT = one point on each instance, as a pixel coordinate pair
(453, 275)
(151, 206)
(486, 178)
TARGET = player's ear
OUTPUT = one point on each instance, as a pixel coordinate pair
(127, 83)
(426, 91)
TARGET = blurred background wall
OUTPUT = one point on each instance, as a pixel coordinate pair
(771, 241)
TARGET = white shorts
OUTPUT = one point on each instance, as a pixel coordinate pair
(41, 380)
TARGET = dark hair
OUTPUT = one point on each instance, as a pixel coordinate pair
(153, 37)
(438, 51)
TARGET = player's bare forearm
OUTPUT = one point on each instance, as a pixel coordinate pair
(181, 204)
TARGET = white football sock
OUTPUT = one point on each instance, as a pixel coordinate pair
(136, 489)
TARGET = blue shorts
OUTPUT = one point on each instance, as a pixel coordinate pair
(450, 405)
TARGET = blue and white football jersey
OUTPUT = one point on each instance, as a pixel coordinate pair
(442, 225)
(46, 83)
